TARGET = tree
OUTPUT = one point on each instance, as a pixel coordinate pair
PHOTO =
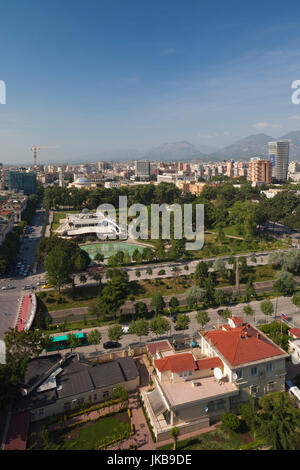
(182, 321)
(174, 433)
(226, 313)
(248, 311)
(221, 298)
(159, 325)
(149, 271)
(94, 337)
(230, 421)
(82, 278)
(285, 283)
(47, 341)
(296, 299)
(23, 345)
(99, 257)
(201, 273)
(158, 303)
(115, 332)
(73, 341)
(202, 318)
(266, 307)
(250, 290)
(141, 309)
(194, 295)
(58, 267)
(173, 304)
(139, 327)
(278, 421)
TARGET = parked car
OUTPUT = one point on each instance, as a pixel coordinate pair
(125, 329)
(28, 286)
(47, 286)
(111, 344)
(9, 286)
(174, 317)
(220, 311)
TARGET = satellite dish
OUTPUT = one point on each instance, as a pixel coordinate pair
(234, 376)
(218, 373)
(295, 359)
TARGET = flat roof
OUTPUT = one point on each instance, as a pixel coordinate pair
(207, 388)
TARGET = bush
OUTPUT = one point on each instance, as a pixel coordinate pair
(230, 421)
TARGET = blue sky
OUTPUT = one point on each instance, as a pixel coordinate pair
(90, 76)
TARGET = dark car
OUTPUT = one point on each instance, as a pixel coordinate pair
(174, 318)
(220, 311)
(178, 328)
(111, 344)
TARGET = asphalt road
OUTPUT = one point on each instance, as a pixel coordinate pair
(281, 305)
(10, 299)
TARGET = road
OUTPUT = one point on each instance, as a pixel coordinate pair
(10, 299)
(281, 305)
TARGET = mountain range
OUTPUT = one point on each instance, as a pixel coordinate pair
(243, 149)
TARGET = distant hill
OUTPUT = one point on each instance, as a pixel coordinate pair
(243, 149)
(175, 151)
(294, 138)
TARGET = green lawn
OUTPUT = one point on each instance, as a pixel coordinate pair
(89, 436)
(215, 440)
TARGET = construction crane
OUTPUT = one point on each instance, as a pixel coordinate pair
(35, 150)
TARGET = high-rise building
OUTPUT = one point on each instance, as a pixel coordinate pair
(21, 181)
(142, 169)
(260, 171)
(279, 156)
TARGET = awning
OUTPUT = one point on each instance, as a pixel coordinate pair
(157, 402)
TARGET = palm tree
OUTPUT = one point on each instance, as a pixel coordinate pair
(174, 433)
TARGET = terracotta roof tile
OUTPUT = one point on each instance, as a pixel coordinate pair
(209, 363)
(295, 332)
(242, 344)
(158, 346)
(176, 363)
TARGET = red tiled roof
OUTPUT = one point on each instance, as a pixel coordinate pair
(158, 346)
(209, 363)
(176, 363)
(236, 320)
(241, 345)
(295, 332)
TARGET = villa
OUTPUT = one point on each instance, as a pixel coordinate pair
(193, 388)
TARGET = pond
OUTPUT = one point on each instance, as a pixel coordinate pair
(110, 248)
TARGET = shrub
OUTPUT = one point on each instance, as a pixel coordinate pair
(230, 421)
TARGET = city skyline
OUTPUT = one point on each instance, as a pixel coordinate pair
(101, 77)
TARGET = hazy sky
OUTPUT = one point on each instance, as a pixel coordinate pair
(89, 75)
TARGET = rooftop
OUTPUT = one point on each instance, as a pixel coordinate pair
(243, 344)
(181, 393)
(176, 363)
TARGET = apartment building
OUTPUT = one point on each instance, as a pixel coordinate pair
(260, 171)
(193, 388)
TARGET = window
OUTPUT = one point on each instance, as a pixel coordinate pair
(211, 406)
(254, 389)
(190, 372)
(270, 367)
(220, 405)
(105, 394)
(95, 397)
(253, 371)
(270, 386)
(41, 412)
(239, 373)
